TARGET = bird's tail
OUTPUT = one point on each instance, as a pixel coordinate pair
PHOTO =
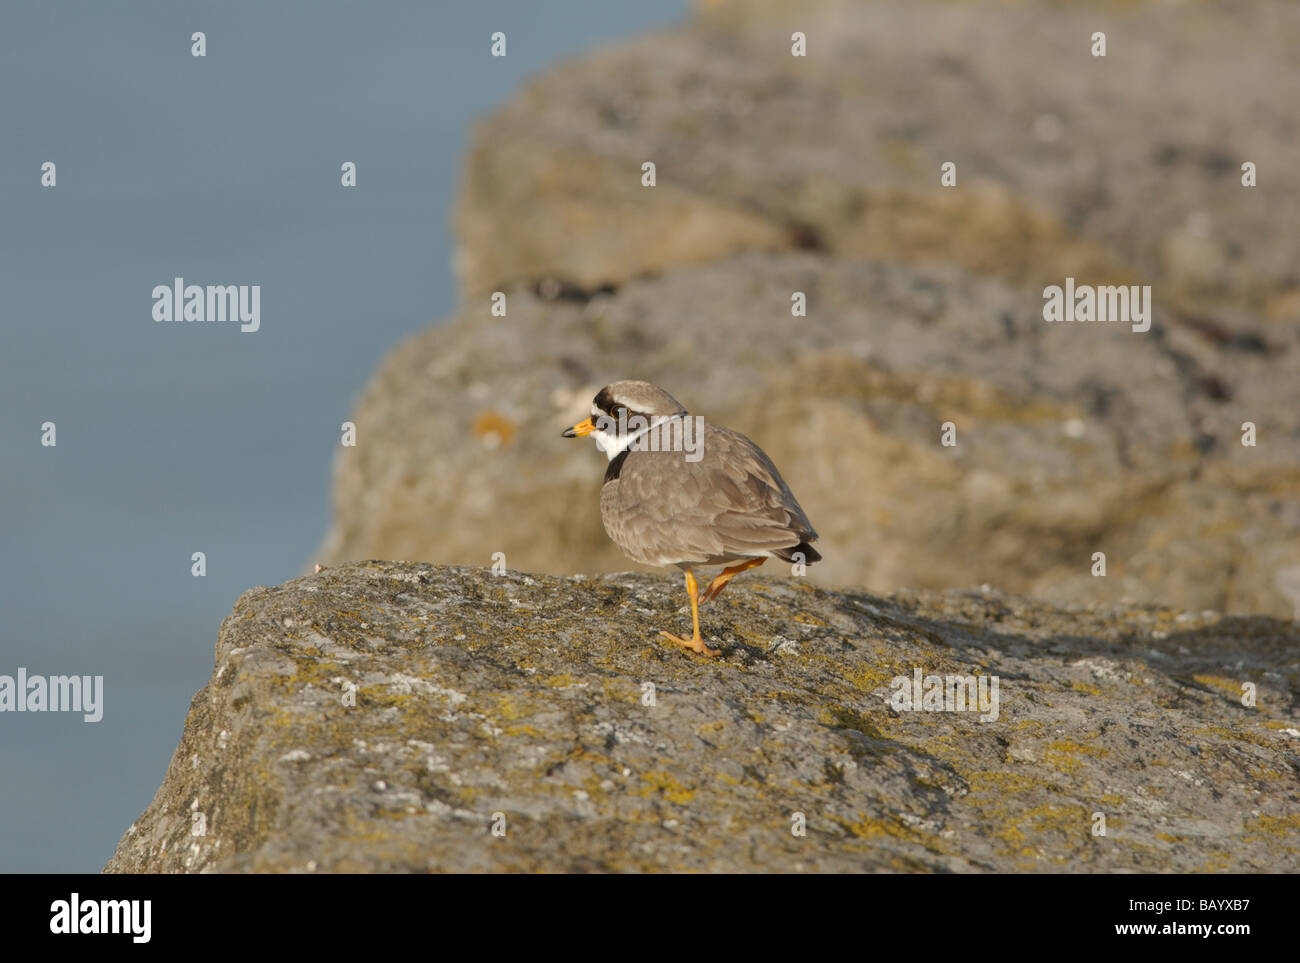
(809, 553)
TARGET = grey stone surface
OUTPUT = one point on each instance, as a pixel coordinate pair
(524, 695)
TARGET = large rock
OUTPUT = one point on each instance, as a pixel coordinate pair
(1124, 166)
(1071, 438)
(820, 174)
(523, 702)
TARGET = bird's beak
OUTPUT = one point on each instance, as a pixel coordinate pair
(580, 429)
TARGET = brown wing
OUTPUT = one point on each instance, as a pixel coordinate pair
(662, 509)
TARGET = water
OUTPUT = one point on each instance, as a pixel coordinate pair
(178, 438)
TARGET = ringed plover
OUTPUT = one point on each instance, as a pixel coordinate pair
(680, 491)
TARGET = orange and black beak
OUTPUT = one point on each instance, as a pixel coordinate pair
(580, 429)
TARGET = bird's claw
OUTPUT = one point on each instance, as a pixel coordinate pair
(695, 644)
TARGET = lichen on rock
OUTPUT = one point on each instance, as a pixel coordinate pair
(387, 717)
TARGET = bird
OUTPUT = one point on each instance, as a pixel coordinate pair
(681, 491)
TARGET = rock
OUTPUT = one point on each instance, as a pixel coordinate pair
(1123, 167)
(528, 697)
(1071, 438)
(820, 174)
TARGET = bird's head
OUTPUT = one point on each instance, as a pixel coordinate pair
(623, 411)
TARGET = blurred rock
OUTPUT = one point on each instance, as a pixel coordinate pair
(521, 701)
(1071, 438)
(1126, 166)
(820, 174)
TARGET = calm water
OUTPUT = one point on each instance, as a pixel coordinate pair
(175, 438)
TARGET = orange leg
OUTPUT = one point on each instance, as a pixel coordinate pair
(695, 641)
(726, 575)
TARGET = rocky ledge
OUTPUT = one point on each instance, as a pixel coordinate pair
(800, 273)
(381, 717)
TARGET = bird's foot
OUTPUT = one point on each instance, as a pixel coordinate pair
(695, 643)
(715, 589)
(725, 576)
